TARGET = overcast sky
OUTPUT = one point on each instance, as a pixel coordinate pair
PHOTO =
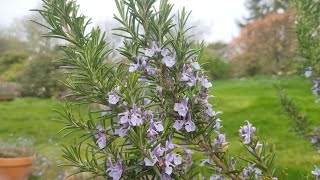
(217, 17)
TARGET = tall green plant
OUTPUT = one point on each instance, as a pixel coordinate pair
(156, 108)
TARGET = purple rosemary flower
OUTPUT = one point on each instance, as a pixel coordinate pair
(193, 80)
(168, 60)
(178, 124)
(250, 171)
(115, 171)
(136, 119)
(123, 130)
(220, 141)
(316, 172)
(204, 161)
(308, 72)
(218, 125)
(217, 176)
(171, 160)
(100, 136)
(314, 139)
(133, 67)
(130, 118)
(196, 65)
(153, 161)
(186, 150)
(157, 152)
(182, 108)
(246, 132)
(185, 74)
(141, 63)
(146, 101)
(210, 112)
(154, 129)
(169, 144)
(151, 52)
(316, 86)
(113, 97)
(189, 124)
(205, 83)
(60, 176)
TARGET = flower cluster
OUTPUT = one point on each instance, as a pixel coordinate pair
(251, 172)
(165, 157)
(316, 172)
(163, 96)
(309, 73)
(247, 133)
(136, 117)
(114, 171)
(100, 136)
(316, 86)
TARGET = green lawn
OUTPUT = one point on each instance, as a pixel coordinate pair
(252, 99)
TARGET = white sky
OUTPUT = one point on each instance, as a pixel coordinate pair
(217, 16)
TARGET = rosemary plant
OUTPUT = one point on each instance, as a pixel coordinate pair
(156, 108)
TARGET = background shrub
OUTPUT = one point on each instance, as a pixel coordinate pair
(41, 77)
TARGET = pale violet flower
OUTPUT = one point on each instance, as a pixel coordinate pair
(217, 176)
(220, 141)
(100, 136)
(115, 171)
(314, 139)
(210, 112)
(154, 129)
(169, 144)
(102, 141)
(308, 72)
(218, 124)
(185, 76)
(132, 117)
(146, 101)
(151, 52)
(122, 131)
(196, 65)
(171, 160)
(251, 170)
(188, 124)
(316, 86)
(141, 63)
(246, 132)
(193, 80)
(153, 160)
(316, 172)
(204, 161)
(168, 60)
(178, 124)
(205, 83)
(182, 108)
(136, 119)
(157, 152)
(113, 98)
(186, 150)
(133, 67)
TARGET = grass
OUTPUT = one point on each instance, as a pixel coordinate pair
(252, 99)
(256, 100)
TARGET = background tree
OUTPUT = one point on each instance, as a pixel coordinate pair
(215, 60)
(260, 8)
(265, 46)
